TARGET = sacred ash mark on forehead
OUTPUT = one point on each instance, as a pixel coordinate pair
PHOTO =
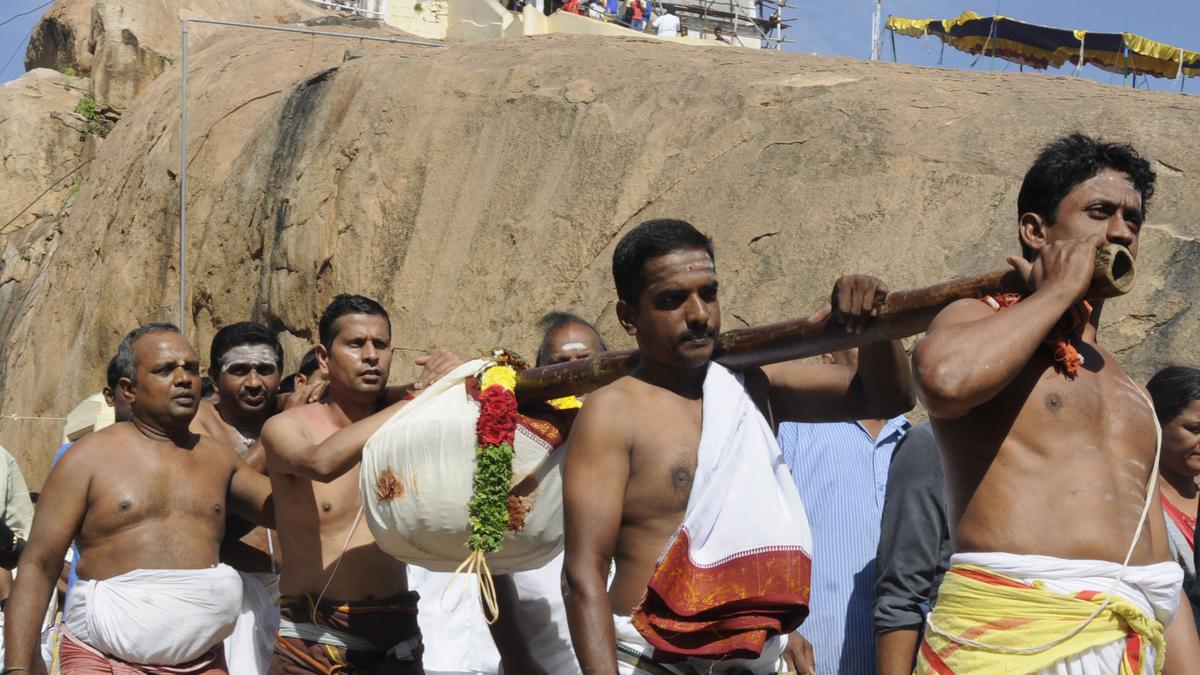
(573, 347)
(248, 355)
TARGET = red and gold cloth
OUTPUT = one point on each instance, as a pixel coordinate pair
(737, 572)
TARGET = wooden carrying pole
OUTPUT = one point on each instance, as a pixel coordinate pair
(902, 314)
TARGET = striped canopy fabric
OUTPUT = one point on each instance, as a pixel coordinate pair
(1042, 46)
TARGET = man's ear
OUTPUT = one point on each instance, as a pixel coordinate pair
(625, 315)
(323, 359)
(126, 386)
(1032, 231)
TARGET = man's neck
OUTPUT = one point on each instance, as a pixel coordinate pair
(1091, 329)
(348, 409)
(686, 382)
(156, 433)
(873, 427)
(245, 426)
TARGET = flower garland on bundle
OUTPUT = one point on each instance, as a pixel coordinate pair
(488, 508)
(495, 429)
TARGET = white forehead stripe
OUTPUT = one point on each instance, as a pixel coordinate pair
(573, 347)
(248, 354)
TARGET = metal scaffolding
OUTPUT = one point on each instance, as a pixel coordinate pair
(742, 22)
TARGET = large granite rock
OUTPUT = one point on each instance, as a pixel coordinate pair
(474, 186)
(42, 143)
(124, 45)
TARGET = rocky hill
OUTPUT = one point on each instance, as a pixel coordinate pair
(473, 186)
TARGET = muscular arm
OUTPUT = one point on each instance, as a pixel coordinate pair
(594, 479)
(895, 651)
(913, 549)
(971, 353)
(57, 521)
(1183, 645)
(879, 388)
(250, 493)
(289, 450)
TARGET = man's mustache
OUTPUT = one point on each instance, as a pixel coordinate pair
(697, 334)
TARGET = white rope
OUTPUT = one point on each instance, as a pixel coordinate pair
(1151, 491)
(338, 563)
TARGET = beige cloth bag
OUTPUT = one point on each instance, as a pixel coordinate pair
(417, 478)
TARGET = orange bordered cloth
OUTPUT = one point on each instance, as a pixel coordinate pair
(736, 574)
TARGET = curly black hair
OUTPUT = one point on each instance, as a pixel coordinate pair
(1071, 160)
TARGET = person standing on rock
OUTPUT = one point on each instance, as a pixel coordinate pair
(345, 603)
(1062, 561)
(673, 473)
(146, 501)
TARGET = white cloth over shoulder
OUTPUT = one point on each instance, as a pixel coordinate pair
(156, 617)
(738, 568)
(1154, 589)
(743, 500)
(249, 648)
(418, 477)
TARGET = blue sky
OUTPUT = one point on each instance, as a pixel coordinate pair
(843, 28)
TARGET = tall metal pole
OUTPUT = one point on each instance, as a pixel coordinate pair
(183, 191)
(875, 17)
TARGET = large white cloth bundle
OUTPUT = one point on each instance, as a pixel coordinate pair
(418, 477)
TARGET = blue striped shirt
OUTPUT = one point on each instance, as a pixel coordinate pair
(841, 473)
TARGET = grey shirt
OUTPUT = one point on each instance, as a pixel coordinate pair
(914, 543)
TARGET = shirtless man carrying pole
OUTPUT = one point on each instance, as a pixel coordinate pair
(1050, 450)
(681, 440)
(346, 602)
(146, 502)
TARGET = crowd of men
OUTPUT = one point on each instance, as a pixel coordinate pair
(784, 518)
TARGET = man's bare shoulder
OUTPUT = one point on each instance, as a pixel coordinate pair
(300, 419)
(608, 411)
(961, 311)
(621, 394)
(208, 422)
(98, 445)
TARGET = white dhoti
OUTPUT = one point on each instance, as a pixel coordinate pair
(456, 636)
(249, 648)
(1004, 615)
(635, 656)
(156, 617)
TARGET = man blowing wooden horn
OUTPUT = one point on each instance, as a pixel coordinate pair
(1051, 450)
(673, 472)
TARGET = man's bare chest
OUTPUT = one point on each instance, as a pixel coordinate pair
(124, 495)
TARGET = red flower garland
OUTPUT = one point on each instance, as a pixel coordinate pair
(497, 416)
